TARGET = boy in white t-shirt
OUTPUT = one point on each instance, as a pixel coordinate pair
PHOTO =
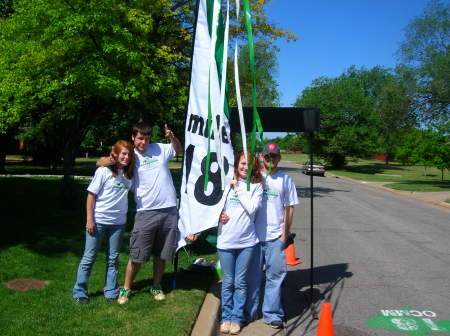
(155, 231)
(273, 222)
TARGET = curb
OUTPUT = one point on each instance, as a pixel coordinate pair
(409, 194)
(207, 319)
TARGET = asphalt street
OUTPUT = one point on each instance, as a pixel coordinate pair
(382, 260)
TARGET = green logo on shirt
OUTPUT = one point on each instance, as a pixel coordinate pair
(148, 161)
(118, 185)
(267, 192)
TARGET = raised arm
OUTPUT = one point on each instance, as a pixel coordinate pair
(176, 144)
(251, 201)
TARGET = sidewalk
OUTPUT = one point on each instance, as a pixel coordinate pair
(208, 319)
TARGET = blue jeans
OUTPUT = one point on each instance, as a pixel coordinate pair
(235, 265)
(273, 255)
(254, 285)
(114, 234)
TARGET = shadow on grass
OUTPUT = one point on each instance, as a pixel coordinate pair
(84, 168)
(49, 216)
(43, 215)
(376, 168)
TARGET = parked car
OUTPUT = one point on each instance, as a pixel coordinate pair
(317, 169)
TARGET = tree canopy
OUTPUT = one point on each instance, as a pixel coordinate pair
(426, 51)
(362, 113)
(98, 66)
(266, 69)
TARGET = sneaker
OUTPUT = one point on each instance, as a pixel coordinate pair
(276, 324)
(157, 293)
(82, 300)
(225, 327)
(124, 295)
(235, 329)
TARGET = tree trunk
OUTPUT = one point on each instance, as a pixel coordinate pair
(68, 184)
(2, 162)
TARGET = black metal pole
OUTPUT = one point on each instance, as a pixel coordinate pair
(197, 6)
(175, 270)
(311, 197)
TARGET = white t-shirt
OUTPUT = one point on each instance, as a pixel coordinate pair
(111, 196)
(279, 192)
(153, 182)
(241, 206)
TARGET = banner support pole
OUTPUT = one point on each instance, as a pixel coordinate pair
(311, 198)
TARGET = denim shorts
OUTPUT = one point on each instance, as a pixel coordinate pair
(155, 232)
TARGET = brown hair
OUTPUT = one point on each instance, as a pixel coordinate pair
(143, 128)
(255, 176)
(116, 149)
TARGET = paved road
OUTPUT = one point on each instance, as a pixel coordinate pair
(376, 254)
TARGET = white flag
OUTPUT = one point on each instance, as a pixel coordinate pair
(200, 209)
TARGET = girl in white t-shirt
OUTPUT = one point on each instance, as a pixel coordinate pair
(237, 240)
(106, 211)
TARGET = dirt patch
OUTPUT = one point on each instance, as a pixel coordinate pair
(26, 284)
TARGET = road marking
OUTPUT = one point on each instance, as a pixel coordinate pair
(408, 321)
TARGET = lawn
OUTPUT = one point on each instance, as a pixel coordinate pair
(18, 165)
(411, 178)
(43, 238)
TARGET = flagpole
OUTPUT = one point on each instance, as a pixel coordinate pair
(197, 5)
(311, 197)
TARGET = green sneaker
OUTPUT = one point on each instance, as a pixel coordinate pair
(124, 295)
(157, 293)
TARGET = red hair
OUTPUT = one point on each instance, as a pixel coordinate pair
(116, 149)
(255, 175)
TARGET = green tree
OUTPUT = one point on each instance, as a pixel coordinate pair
(407, 150)
(70, 66)
(393, 106)
(73, 67)
(426, 147)
(362, 112)
(266, 69)
(348, 122)
(426, 51)
(6, 8)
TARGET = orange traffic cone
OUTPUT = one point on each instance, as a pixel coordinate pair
(291, 259)
(326, 321)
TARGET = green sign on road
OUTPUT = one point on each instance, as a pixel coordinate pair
(408, 321)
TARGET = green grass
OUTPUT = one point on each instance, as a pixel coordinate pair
(18, 165)
(411, 178)
(43, 238)
(424, 186)
(297, 158)
(447, 200)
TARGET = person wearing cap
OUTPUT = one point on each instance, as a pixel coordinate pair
(273, 222)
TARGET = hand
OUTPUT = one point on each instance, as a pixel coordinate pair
(284, 236)
(90, 227)
(192, 236)
(224, 218)
(113, 157)
(234, 182)
(168, 133)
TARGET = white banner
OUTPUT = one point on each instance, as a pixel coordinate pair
(199, 209)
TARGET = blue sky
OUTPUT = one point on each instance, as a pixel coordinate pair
(333, 35)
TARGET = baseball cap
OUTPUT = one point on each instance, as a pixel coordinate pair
(271, 148)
